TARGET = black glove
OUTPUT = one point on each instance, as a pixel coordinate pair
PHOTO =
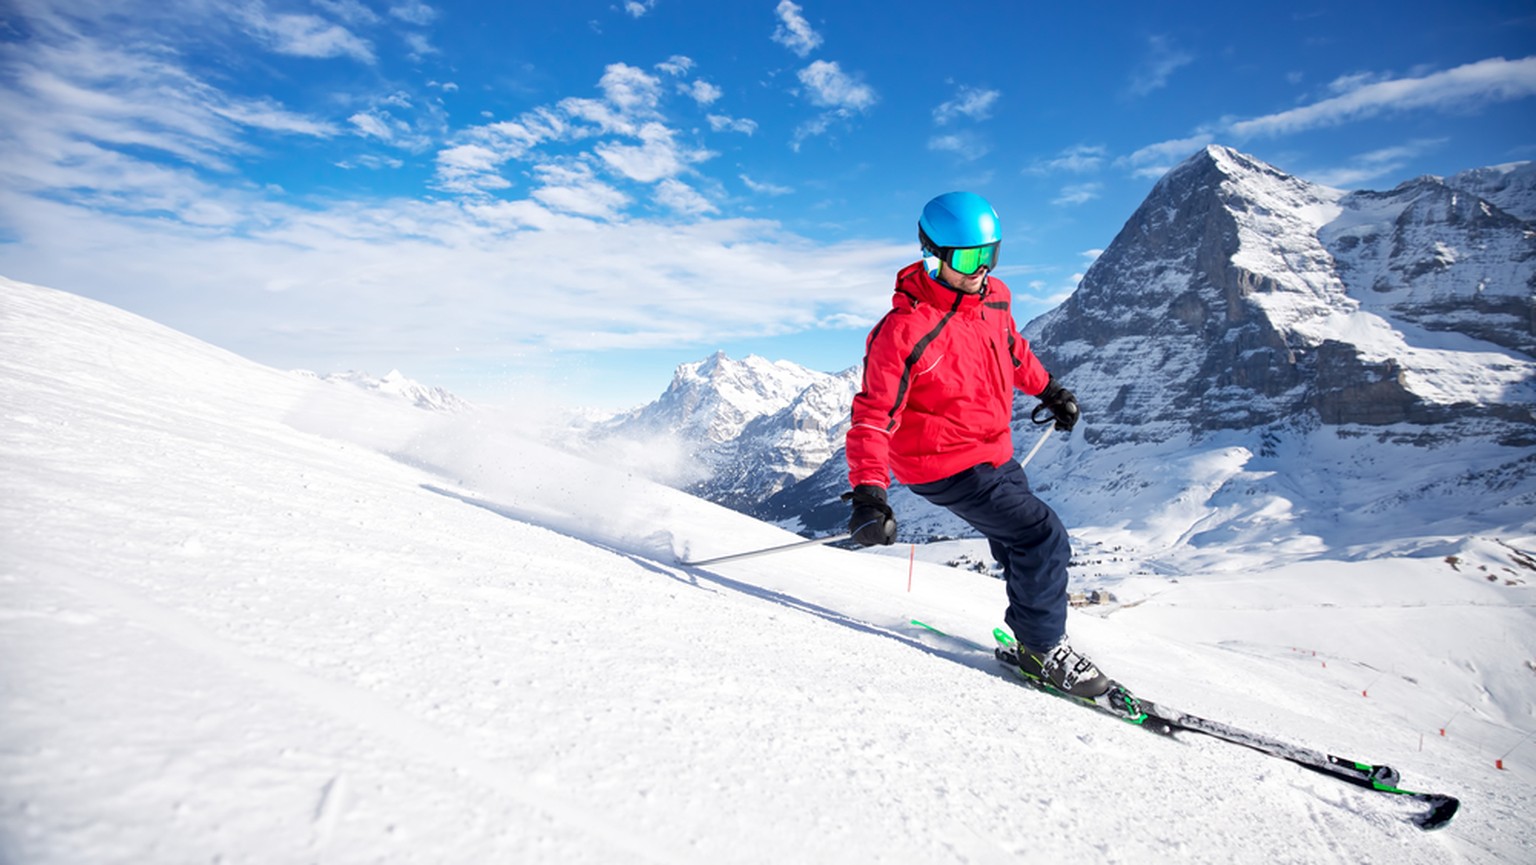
(872, 521)
(1061, 403)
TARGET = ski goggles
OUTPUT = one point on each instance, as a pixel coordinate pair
(969, 259)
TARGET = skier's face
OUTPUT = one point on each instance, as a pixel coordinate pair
(960, 282)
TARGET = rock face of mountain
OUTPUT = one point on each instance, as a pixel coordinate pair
(1239, 297)
(751, 426)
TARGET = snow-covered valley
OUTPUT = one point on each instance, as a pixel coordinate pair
(249, 615)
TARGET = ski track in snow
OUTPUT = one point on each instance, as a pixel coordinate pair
(249, 616)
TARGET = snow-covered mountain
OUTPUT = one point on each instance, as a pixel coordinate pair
(1511, 187)
(1238, 297)
(396, 385)
(751, 426)
(1288, 352)
(251, 616)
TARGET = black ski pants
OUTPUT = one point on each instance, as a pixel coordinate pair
(1026, 537)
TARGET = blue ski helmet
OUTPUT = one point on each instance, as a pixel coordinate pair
(960, 221)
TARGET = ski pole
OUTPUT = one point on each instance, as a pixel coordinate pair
(815, 542)
(763, 552)
(1038, 444)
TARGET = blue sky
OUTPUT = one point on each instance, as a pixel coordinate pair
(569, 199)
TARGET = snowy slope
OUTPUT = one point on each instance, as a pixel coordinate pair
(255, 616)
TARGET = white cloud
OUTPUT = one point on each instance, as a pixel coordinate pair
(631, 89)
(1163, 59)
(946, 142)
(830, 86)
(413, 12)
(677, 65)
(351, 11)
(1154, 160)
(419, 45)
(1360, 96)
(794, 32)
(573, 188)
(817, 125)
(471, 163)
(681, 198)
(629, 108)
(267, 114)
(381, 123)
(67, 103)
(725, 123)
(604, 117)
(657, 156)
(1464, 88)
(963, 144)
(969, 102)
(764, 188)
(1078, 193)
(1364, 167)
(306, 36)
(1079, 159)
(471, 168)
(371, 126)
(414, 284)
(638, 8)
(370, 161)
(700, 91)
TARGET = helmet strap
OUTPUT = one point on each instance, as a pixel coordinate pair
(932, 262)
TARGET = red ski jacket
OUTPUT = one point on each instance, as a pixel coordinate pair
(939, 374)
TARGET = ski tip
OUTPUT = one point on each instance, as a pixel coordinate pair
(1441, 810)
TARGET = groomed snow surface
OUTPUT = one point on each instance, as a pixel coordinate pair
(252, 616)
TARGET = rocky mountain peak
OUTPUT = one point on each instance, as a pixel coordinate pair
(1238, 296)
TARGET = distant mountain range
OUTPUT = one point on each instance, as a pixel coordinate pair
(1302, 351)
(397, 386)
(751, 427)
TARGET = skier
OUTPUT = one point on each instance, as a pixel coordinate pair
(935, 407)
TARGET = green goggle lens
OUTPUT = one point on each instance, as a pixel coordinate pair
(969, 259)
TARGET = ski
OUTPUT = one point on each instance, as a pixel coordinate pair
(1439, 808)
(1355, 770)
(1117, 702)
(1350, 770)
(1121, 703)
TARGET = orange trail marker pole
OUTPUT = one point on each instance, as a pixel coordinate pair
(1499, 763)
(1448, 722)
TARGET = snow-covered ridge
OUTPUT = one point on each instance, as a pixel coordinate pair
(1511, 187)
(398, 386)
